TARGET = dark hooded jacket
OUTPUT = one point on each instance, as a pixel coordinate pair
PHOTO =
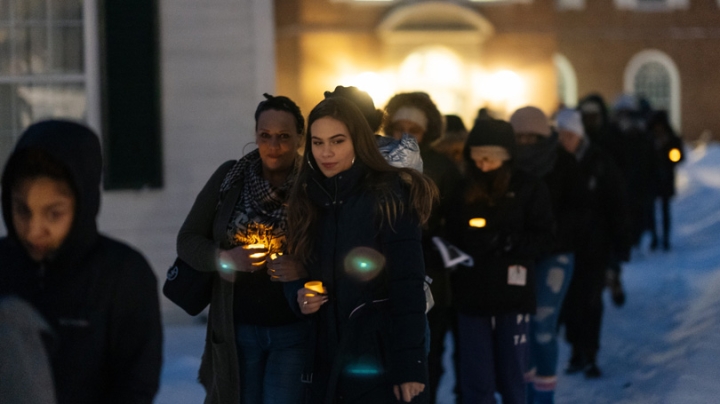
(98, 295)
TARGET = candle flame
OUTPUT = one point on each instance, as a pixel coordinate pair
(478, 222)
(675, 155)
(258, 246)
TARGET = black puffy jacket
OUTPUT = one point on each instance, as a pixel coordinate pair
(373, 327)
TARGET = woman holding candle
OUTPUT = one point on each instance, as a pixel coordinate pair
(236, 229)
(502, 217)
(355, 224)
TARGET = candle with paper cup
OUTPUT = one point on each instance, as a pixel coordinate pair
(260, 251)
(315, 286)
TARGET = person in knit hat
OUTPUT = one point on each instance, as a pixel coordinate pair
(604, 239)
(501, 216)
(539, 153)
(416, 115)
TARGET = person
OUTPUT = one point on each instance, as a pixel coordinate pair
(668, 154)
(25, 372)
(604, 233)
(354, 222)
(98, 295)
(255, 343)
(416, 114)
(502, 217)
(539, 152)
(452, 141)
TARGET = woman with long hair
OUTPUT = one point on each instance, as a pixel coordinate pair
(236, 230)
(355, 223)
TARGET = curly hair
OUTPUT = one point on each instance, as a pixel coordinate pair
(281, 103)
(421, 101)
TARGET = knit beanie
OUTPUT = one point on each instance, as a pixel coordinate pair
(491, 132)
(570, 120)
(363, 101)
(530, 120)
(411, 114)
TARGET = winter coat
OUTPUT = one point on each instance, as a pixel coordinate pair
(98, 295)
(605, 219)
(446, 176)
(370, 335)
(519, 228)
(202, 233)
(559, 170)
(664, 166)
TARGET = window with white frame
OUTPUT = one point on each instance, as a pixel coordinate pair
(652, 5)
(652, 74)
(566, 81)
(570, 4)
(42, 73)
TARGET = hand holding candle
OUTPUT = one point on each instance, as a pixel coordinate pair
(311, 297)
(242, 259)
(285, 268)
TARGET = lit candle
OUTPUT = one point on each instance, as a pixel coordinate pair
(315, 286)
(477, 222)
(675, 155)
(254, 246)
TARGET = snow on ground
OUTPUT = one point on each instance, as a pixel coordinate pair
(663, 346)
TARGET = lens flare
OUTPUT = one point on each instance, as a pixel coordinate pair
(364, 263)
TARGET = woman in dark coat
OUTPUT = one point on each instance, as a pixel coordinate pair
(416, 114)
(255, 343)
(98, 295)
(355, 224)
(503, 219)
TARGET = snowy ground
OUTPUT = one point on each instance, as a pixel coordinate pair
(663, 346)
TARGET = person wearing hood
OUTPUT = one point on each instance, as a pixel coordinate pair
(502, 217)
(415, 114)
(539, 152)
(604, 234)
(98, 295)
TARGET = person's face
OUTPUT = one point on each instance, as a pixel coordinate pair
(525, 139)
(568, 140)
(404, 126)
(484, 162)
(332, 146)
(43, 210)
(277, 139)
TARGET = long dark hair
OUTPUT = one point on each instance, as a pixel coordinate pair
(302, 213)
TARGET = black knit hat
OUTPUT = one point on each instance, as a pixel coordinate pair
(363, 101)
(491, 132)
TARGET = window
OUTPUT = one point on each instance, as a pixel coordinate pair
(50, 67)
(42, 73)
(566, 81)
(652, 5)
(652, 74)
(570, 4)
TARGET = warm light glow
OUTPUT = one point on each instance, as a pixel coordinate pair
(502, 91)
(254, 246)
(675, 155)
(477, 222)
(438, 71)
(258, 255)
(380, 86)
(316, 286)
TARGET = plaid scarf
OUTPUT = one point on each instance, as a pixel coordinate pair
(266, 199)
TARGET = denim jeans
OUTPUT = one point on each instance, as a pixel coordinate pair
(271, 362)
(553, 274)
(493, 357)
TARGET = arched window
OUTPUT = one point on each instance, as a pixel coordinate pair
(652, 74)
(566, 81)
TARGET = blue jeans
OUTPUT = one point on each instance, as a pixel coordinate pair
(553, 274)
(493, 357)
(271, 361)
